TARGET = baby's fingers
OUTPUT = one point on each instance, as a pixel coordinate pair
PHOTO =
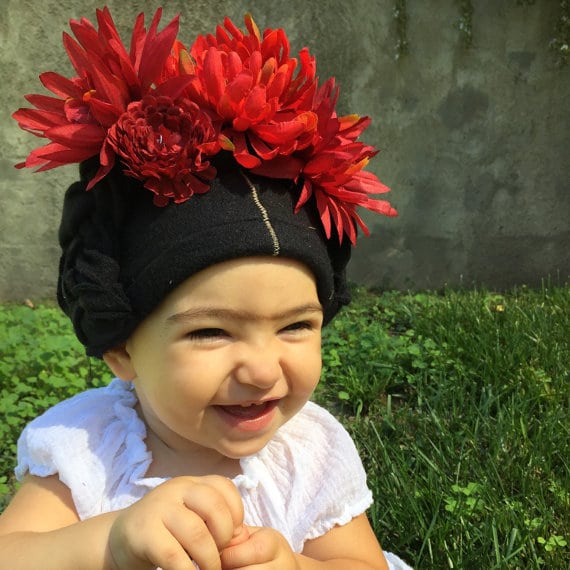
(231, 495)
(171, 556)
(218, 503)
(195, 542)
(164, 547)
(241, 534)
(262, 547)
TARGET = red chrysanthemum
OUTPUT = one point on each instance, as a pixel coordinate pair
(165, 144)
(250, 83)
(332, 169)
(109, 78)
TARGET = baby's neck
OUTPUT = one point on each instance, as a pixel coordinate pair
(167, 462)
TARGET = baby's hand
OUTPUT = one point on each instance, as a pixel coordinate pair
(183, 520)
(263, 549)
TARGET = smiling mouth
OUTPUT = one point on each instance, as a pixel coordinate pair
(249, 411)
(249, 418)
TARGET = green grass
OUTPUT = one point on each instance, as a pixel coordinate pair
(463, 423)
(458, 402)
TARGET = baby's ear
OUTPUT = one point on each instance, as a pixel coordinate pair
(119, 361)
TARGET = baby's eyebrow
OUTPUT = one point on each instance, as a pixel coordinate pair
(241, 315)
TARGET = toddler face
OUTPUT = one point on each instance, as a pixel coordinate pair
(229, 356)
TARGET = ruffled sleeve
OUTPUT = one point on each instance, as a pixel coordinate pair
(337, 485)
(94, 442)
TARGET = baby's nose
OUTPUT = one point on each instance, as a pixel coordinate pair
(259, 367)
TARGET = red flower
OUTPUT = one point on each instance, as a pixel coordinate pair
(162, 142)
(109, 78)
(331, 169)
(249, 82)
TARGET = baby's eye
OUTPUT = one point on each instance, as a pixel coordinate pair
(206, 334)
(298, 326)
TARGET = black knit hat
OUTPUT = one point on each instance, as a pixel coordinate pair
(121, 254)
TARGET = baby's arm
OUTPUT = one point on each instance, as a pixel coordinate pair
(353, 546)
(28, 535)
(182, 519)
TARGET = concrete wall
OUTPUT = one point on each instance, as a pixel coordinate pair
(475, 143)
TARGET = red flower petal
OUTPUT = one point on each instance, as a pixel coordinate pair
(57, 153)
(157, 47)
(324, 212)
(261, 149)
(242, 154)
(238, 89)
(104, 113)
(35, 120)
(213, 74)
(45, 103)
(78, 136)
(137, 41)
(256, 106)
(107, 161)
(366, 182)
(174, 87)
(61, 86)
(249, 24)
(234, 66)
(287, 167)
(278, 132)
(278, 82)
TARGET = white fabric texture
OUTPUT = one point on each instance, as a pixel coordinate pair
(305, 481)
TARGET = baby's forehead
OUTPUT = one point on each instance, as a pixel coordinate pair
(244, 281)
(256, 288)
(256, 264)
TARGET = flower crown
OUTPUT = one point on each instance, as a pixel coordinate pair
(164, 111)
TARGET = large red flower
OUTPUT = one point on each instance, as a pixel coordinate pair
(165, 144)
(332, 169)
(250, 83)
(108, 79)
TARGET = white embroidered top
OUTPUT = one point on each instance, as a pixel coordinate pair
(305, 481)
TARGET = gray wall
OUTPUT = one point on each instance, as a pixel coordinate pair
(475, 142)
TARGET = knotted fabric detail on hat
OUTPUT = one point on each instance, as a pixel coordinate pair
(89, 289)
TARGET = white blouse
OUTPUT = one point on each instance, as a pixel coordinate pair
(306, 480)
